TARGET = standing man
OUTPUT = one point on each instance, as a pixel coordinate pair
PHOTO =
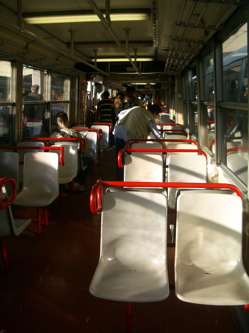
(34, 113)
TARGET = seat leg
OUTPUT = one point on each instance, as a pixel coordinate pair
(5, 256)
(45, 214)
(38, 209)
(128, 317)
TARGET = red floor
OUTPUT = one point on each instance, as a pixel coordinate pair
(47, 287)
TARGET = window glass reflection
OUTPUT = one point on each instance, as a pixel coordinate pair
(236, 142)
(235, 76)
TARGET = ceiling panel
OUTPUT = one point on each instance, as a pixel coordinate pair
(174, 33)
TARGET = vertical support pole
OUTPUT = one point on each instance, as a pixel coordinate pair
(128, 317)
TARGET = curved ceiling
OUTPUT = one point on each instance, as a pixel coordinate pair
(170, 35)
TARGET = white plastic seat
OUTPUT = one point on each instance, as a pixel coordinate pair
(9, 167)
(146, 145)
(185, 168)
(69, 170)
(208, 258)
(178, 136)
(92, 147)
(132, 265)
(9, 225)
(164, 117)
(40, 182)
(139, 166)
(22, 152)
(178, 145)
(104, 141)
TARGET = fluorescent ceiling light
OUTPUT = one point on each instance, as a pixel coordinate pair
(121, 59)
(46, 19)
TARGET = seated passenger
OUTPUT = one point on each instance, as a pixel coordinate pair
(85, 162)
(135, 123)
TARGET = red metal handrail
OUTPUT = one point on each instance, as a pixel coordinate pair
(96, 195)
(128, 143)
(171, 124)
(4, 180)
(82, 141)
(237, 148)
(143, 150)
(61, 149)
(98, 130)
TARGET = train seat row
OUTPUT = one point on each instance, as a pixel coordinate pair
(133, 258)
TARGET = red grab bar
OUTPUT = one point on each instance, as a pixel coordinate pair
(61, 149)
(122, 151)
(171, 124)
(96, 195)
(4, 204)
(98, 130)
(128, 143)
(237, 148)
(97, 190)
(81, 141)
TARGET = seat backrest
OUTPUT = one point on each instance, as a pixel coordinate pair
(92, 147)
(70, 168)
(208, 258)
(9, 167)
(146, 145)
(8, 224)
(104, 141)
(132, 264)
(139, 166)
(185, 168)
(22, 152)
(176, 136)
(40, 173)
(164, 117)
(178, 145)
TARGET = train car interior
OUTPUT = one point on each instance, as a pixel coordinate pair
(103, 230)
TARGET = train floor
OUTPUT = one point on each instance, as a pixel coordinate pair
(46, 289)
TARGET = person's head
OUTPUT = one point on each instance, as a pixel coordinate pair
(130, 91)
(105, 94)
(154, 109)
(120, 95)
(35, 88)
(62, 119)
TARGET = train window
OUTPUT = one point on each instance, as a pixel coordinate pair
(236, 142)
(209, 78)
(5, 100)
(235, 84)
(59, 96)
(235, 77)
(35, 116)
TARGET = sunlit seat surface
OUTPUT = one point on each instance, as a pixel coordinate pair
(143, 167)
(208, 258)
(132, 265)
(185, 167)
